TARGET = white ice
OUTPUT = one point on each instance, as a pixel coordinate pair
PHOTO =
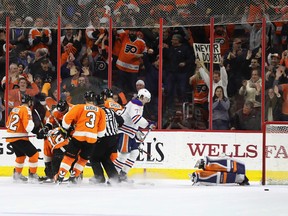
(146, 197)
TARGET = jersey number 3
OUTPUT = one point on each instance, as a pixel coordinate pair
(92, 120)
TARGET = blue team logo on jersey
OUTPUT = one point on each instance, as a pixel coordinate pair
(130, 48)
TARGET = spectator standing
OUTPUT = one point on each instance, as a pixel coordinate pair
(200, 98)
(220, 110)
(18, 36)
(246, 118)
(251, 89)
(15, 95)
(220, 78)
(128, 62)
(179, 62)
(273, 105)
(283, 89)
(39, 36)
(233, 60)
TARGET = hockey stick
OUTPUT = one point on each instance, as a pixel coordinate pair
(14, 137)
(56, 120)
(142, 141)
(37, 113)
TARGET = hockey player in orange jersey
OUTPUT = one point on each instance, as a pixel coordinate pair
(109, 102)
(62, 107)
(90, 123)
(19, 124)
(54, 148)
(222, 170)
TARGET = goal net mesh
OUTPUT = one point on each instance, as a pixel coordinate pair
(276, 152)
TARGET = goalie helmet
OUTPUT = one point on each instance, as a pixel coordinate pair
(26, 99)
(90, 96)
(62, 106)
(144, 93)
(107, 92)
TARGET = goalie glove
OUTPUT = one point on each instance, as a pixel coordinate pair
(140, 136)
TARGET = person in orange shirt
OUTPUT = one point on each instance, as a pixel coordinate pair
(90, 122)
(39, 37)
(19, 124)
(128, 62)
(15, 95)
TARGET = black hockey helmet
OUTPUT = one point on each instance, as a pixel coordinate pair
(26, 99)
(99, 99)
(107, 92)
(90, 96)
(62, 106)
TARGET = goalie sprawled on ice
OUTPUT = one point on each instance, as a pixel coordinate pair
(213, 171)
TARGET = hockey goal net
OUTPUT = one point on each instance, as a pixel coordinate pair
(275, 153)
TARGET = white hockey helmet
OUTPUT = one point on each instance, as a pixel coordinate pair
(144, 93)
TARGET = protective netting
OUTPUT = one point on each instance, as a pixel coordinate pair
(142, 13)
(276, 154)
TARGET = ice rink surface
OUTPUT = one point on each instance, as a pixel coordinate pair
(145, 197)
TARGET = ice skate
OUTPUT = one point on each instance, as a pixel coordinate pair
(18, 177)
(97, 180)
(72, 179)
(245, 182)
(59, 177)
(33, 178)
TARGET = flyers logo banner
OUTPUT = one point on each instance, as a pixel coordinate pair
(130, 48)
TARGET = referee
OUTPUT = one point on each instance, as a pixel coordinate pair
(105, 146)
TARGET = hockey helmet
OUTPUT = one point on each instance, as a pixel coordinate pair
(99, 99)
(107, 92)
(26, 99)
(144, 93)
(90, 96)
(62, 106)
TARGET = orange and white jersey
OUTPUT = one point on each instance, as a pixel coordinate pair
(56, 139)
(56, 114)
(111, 104)
(89, 121)
(126, 60)
(33, 33)
(19, 123)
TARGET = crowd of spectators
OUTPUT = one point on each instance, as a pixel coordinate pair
(135, 49)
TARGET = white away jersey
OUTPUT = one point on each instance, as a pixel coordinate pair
(133, 119)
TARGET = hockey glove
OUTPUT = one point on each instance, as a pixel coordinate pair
(152, 125)
(140, 136)
(64, 133)
(43, 132)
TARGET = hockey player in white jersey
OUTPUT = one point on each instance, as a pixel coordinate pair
(129, 132)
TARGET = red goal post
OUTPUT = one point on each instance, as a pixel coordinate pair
(275, 153)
